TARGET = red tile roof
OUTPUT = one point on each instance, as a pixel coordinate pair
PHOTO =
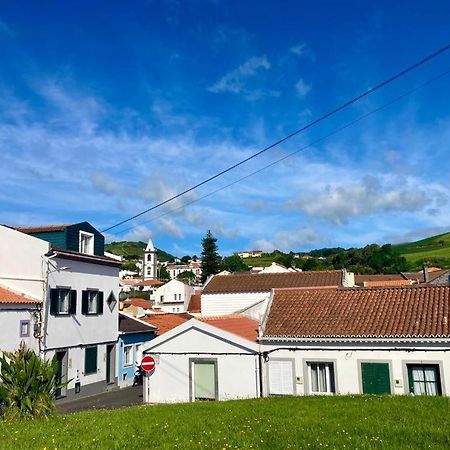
(361, 279)
(387, 283)
(195, 303)
(9, 296)
(264, 282)
(149, 282)
(166, 321)
(236, 324)
(395, 312)
(138, 302)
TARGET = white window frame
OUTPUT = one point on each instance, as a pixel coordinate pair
(125, 362)
(90, 243)
(62, 300)
(329, 381)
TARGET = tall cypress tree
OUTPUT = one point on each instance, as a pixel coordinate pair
(210, 256)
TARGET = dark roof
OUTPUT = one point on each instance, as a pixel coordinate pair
(129, 324)
(264, 282)
(195, 303)
(9, 296)
(94, 259)
(42, 229)
(389, 312)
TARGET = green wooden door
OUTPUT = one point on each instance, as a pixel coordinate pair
(375, 378)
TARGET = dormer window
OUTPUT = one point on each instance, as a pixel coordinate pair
(86, 243)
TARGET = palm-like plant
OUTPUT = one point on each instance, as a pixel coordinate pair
(27, 384)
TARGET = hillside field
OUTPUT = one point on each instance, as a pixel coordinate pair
(431, 249)
(350, 422)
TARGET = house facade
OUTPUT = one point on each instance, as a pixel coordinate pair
(199, 361)
(173, 296)
(353, 341)
(134, 336)
(63, 266)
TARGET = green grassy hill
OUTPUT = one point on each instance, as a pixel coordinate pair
(434, 250)
(134, 250)
(350, 422)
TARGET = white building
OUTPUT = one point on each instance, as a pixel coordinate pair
(150, 262)
(225, 366)
(64, 268)
(228, 294)
(19, 315)
(249, 253)
(194, 266)
(173, 296)
(351, 341)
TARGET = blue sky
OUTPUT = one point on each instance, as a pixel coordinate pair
(107, 108)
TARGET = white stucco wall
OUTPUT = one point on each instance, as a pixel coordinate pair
(22, 264)
(237, 374)
(347, 361)
(72, 330)
(10, 317)
(169, 290)
(220, 304)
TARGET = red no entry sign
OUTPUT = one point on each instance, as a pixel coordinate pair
(148, 363)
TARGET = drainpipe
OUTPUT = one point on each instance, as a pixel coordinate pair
(260, 364)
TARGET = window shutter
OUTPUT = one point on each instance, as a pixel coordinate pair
(54, 301)
(100, 302)
(73, 302)
(410, 380)
(84, 302)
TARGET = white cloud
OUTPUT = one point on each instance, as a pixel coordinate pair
(235, 81)
(342, 203)
(105, 183)
(294, 240)
(302, 88)
(299, 49)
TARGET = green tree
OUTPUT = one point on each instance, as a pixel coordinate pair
(186, 276)
(28, 384)
(234, 263)
(185, 259)
(210, 256)
(164, 273)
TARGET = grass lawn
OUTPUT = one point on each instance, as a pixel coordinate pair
(276, 423)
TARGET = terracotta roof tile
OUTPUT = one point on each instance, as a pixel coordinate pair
(236, 324)
(149, 282)
(9, 296)
(381, 283)
(195, 303)
(264, 282)
(138, 302)
(395, 312)
(360, 279)
(166, 321)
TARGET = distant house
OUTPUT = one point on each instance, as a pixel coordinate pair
(213, 359)
(173, 296)
(134, 336)
(19, 317)
(392, 340)
(64, 267)
(432, 276)
(176, 269)
(249, 253)
(228, 294)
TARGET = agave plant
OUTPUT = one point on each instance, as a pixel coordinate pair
(27, 384)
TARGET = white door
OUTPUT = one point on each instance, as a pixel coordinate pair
(281, 377)
(204, 381)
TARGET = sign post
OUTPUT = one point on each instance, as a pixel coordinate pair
(148, 365)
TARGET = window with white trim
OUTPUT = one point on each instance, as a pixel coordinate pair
(86, 243)
(321, 378)
(128, 355)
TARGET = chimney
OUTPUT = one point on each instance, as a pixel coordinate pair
(426, 275)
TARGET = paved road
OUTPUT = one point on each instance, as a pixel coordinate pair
(108, 400)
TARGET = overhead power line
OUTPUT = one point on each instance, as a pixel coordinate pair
(289, 155)
(295, 133)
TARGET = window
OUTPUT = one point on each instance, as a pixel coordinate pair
(63, 301)
(281, 377)
(86, 243)
(90, 360)
(424, 379)
(24, 328)
(321, 376)
(92, 303)
(128, 355)
(175, 297)
(179, 296)
(161, 298)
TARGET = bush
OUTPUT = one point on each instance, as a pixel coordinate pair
(27, 384)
